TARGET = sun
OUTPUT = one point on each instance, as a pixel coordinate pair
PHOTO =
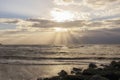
(58, 29)
(62, 16)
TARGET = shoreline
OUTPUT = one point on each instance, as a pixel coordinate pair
(93, 72)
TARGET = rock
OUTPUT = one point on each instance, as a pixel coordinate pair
(76, 71)
(92, 65)
(62, 73)
(39, 79)
(90, 71)
(98, 77)
(46, 79)
(107, 72)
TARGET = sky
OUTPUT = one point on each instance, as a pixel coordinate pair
(60, 22)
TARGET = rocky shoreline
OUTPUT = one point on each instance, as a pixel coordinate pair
(93, 72)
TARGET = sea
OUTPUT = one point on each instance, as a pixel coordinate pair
(29, 62)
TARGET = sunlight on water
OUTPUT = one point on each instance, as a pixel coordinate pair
(31, 62)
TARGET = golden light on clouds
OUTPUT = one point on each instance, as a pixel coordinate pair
(63, 2)
(61, 15)
(58, 29)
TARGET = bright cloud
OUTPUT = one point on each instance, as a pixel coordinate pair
(84, 20)
(101, 3)
(36, 24)
(72, 32)
(61, 15)
(63, 2)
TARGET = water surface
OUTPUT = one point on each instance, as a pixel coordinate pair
(28, 62)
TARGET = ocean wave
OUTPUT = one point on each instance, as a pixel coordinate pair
(58, 58)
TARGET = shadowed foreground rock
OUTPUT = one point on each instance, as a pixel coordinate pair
(98, 77)
(107, 72)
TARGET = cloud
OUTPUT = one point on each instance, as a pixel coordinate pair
(81, 24)
(96, 20)
(42, 24)
(90, 9)
(21, 25)
(100, 3)
(67, 1)
(83, 31)
(7, 20)
(51, 24)
(87, 3)
(101, 37)
(63, 2)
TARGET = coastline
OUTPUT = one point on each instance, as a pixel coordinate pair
(93, 72)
